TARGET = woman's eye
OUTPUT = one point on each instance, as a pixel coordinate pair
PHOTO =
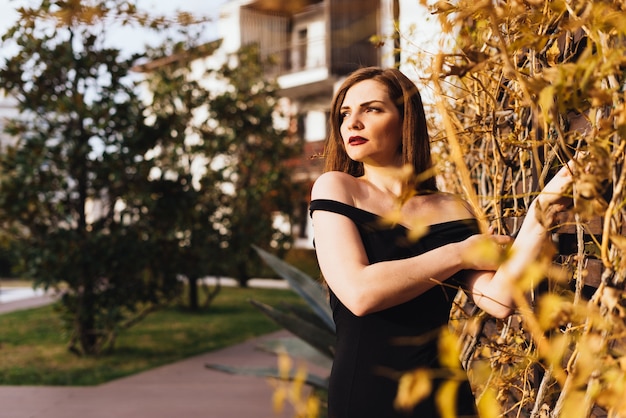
(373, 109)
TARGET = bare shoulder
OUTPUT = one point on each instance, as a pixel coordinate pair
(444, 207)
(444, 197)
(460, 206)
(335, 185)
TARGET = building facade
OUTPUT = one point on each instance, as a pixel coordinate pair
(315, 45)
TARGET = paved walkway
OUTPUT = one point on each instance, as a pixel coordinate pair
(183, 389)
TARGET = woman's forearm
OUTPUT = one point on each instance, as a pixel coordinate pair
(493, 291)
(367, 288)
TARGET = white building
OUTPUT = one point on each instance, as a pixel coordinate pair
(317, 43)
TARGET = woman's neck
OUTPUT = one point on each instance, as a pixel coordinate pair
(388, 179)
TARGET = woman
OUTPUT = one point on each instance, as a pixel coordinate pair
(383, 285)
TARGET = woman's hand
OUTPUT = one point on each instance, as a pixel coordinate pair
(558, 191)
(484, 251)
(492, 292)
(555, 197)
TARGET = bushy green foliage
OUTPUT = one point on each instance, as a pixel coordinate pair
(73, 184)
(253, 137)
(114, 198)
(184, 199)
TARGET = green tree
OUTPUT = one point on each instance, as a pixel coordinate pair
(255, 150)
(219, 162)
(186, 177)
(74, 189)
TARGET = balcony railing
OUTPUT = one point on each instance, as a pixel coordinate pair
(297, 57)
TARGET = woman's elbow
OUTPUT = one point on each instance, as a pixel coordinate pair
(494, 308)
(360, 304)
(500, 312)
(491, 296)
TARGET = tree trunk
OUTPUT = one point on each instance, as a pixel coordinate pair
(86, 321)
(243, 277)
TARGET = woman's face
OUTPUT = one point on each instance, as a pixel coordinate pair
(371, 125)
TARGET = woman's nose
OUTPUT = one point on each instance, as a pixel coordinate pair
(354, 122)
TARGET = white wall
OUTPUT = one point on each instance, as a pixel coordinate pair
(228, 27)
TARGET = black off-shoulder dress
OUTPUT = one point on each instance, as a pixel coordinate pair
(361, 385)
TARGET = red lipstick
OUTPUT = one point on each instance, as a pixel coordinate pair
(356, 140)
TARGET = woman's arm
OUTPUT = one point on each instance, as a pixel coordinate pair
(363, 287)
(493, 291)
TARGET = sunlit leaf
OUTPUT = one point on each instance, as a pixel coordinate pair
(279, 396)
(488, 405)
(313, 407)
(573, 406)
(546, 102)
(445, 399)
(487, 250)
(553, 310)
(413, 387)
(284, 365)
(449, 352)
(610, 393)
(532, 275)
(553, 53)
(417, 229)
(559, 348)
(620, 242)
(589, 356)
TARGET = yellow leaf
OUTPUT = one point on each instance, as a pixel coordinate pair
(393, 217)
(546, 103)
(611, 393)
(446, 398)
(449, 353)
(531, 276)
(620, 242)
(573, 405)
(488, 405)
(278, 399)
(284, 365)
(480, 372)
(297, 384)
(413, 388)
(552, 310)
(558, 347)
(487, 250)
(313, 407)
(417, 230)
(485, 351)
(553, 54)
(587, 358)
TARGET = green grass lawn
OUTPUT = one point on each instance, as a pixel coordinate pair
(33, 343)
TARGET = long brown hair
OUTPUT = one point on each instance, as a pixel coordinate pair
(415, 142)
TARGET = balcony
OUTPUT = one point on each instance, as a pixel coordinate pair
(313, 43)
(303, 69)
(290, 7)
